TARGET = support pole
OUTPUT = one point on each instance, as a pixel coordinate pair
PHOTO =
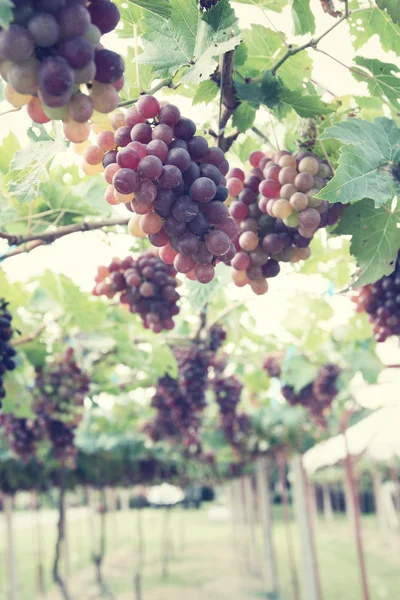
(377, 487)
(394, 473)
(327, 501)
(11, 563)
(304, 517)
(251, 523)
(270, 568)
(39, 546)
(355, 518)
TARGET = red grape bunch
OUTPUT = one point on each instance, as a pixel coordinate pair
(7, 352)
(216, 336)
(277, 213)
(173, 183)
(59, 394)
(317, 396)
(381, 300)
(22, 435)
(146, 285)
(234, 425)
(53, 62)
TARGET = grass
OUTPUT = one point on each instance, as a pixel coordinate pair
(204, 561)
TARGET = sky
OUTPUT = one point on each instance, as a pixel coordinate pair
(78, 255)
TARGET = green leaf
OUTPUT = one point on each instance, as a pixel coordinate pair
(131, 87)
(297, 371)
(364, 169)
(243, 117)
(275, 5)
(265, 47)
(6, 13)
(306, 105)
(330, 261)
(205, 92)
(392, 7)
(161, 8)
(189, 39)
(162, 360)
(375, 239)
(303, 19)
(267, 92)
(382, 79)
(199, 294)
(91, 191)
(29, 167)
(364, 359)
(130, 19)
(364, 24)
(10, 145)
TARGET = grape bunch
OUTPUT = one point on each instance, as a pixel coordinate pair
(146, 285)
(277, 213)
(381, 300)
(53, 62)
(59, 394)
(175, 419)
(7, 352)
(235, 426)
(193, 364)
(317, 396)
(22, 435)
(216, 336)
(172, 181)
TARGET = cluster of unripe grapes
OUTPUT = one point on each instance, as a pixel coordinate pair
(54, 64)
(317, 396)
(59, 395)
(277, 213)
(172, 182)
(7, 352)
(381, 300)
(146, 285)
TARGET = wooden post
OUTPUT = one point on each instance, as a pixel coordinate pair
(395, 478)
(355, 519)
(304, 515)
(91, 520)
(38, 544)
(327, 502)
(250, 523)
(376, 485)
(270, 568)
(11, 564)
(281, 461)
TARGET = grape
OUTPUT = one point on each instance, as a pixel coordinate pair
(159, 239)
(287, 175)
(282, 209)
(309, 218)
(35, 111)
(184, 129)
(80, 107)
(179, 158)
(184, 264)
(238, 210)
(141, 133)
(270, 188)
(308, 165)
(148, 106)
(255, 158)
(104, 14)
(164, 202)
(247, 196)
(170, 178)
(174, 228)
(235, 186)
(44, 29)
(74, 20)
(125, 181)
(202, 256)
(146, 192)
(16, 44)
(164, 133)
(292, 220)
(110, 171)
(204, 273)
(132, 117)
(93, 35)
(271, 268)
(259, 286)
(49, 6)
(139, 148)
(158, 148)
(127, 158)
(109, 66)
(76, 132)
(23, 76)
(93, 155)
(248, 225)
(324, 171)
(197, 147)
(217, 242)
(151, 223)
(258, 256)
(56, 77)
(299, 201)
(87, 74)
(189, 244)
(77, 51)
(248, 241)
(150, 167)
(199, 226)
(185, 209)
(169, 114)
(272, 172)
(134, 227)
(304, 182)
(287, 161)
(241, 262)
(203, 189)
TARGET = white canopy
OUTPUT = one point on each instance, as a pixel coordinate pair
(376, 437)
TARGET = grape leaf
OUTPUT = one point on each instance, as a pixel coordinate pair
(205, 92)
(303, 19)
(365, 160)
(6, 13)
(265, 47)
(133, 70)
(267, 92)
(29, 167)
(161, 8)
(375, 239)
(364, 360)
(275, 5)
(189, 39)
(130, 19)
(366, 23)
(392, 7)
(243, 117)
(306, 105)
(8, 148)
(381, 78)
(298, 372)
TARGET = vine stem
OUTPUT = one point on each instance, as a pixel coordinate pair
(57, 577)
(30, 242)
(163, 83)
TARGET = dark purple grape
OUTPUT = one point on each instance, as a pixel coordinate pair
(184, 129)
(104, 14)
(77, 51)
(185, 209)
(109, 66)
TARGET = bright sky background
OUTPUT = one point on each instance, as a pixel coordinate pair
(78, 255)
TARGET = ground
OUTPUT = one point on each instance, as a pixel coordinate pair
(205, 562)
